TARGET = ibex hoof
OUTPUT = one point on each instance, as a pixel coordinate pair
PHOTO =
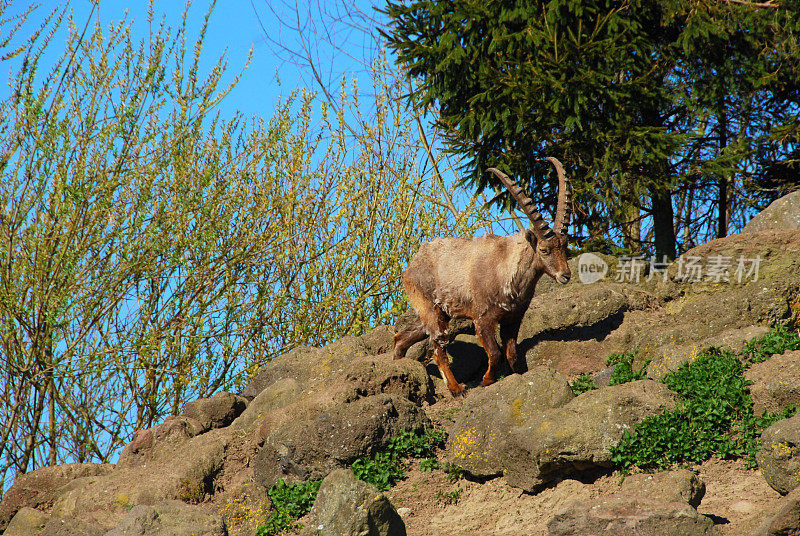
(460, 390)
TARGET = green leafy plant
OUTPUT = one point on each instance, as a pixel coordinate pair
(779, 340)
(291, 502)
(582, 383)
(715, 413)
(384, 468)
(623, 368)
(429, 464)
(448, 497)
(454, 471)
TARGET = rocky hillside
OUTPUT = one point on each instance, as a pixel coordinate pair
(556, 448)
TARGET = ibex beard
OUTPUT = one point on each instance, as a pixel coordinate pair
(490, 279)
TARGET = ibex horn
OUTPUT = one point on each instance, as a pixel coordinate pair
(539, 226)
(564, 208)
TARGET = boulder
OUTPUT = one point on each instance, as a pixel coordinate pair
(307, 440)
(404, 378)
(776, 383)
(379, 340)
(787, 521)
(489, 414)
(148, 444)
(783, 213)
(275, 396)
(537, 432)
(579, 435)
(216, 412)
(185, 471)
(31, 522)
(27, 522)
(311, 367)
(169, 518)
(574, 328)
(347, 506)
(779, 457)
(40, 488)
(660, 504)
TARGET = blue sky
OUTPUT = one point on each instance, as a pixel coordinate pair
(236, 27)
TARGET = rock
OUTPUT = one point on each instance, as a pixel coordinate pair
(310, 367)
(180, 470)
(776, 383)
(547, 444)
(244, 509)
(58, 526)
(489, 414)
(40, 488)
(783, 213)
(31, 522)
(379, 340)
(787, 521)
(146, 444)
(580, 434)
(348, 506)
(405, 378)
(570, 328)
(630, 518)
(680, 485)
(277, 395)
(307, 441)
(669, 357)
(779, 457)
(169, 518)
(583, 273)
(27, 522)
(646, 504)
(216, 412)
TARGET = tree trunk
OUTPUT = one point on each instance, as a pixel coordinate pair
(663, 231)
(722, 185)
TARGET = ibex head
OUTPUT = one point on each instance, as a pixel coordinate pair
(550, 247)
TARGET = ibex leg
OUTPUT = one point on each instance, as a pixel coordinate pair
(508, 336)
(484, 330)
(406, 338)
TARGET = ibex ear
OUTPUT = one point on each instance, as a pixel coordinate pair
(530, 236)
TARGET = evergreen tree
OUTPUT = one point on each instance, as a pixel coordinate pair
(661, 109)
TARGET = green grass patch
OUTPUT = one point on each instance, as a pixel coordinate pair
(291, 502)
(714, 415)
(383, 469)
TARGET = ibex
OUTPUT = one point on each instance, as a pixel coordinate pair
(490, 279)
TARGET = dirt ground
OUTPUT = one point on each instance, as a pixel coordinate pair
(737, 499)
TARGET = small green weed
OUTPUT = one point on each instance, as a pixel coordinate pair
(454, 471)
(291, 502)
(383, 469)
(623, 368)
(777, 341)
(448, 497)
(582, 383)
(429, 464)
